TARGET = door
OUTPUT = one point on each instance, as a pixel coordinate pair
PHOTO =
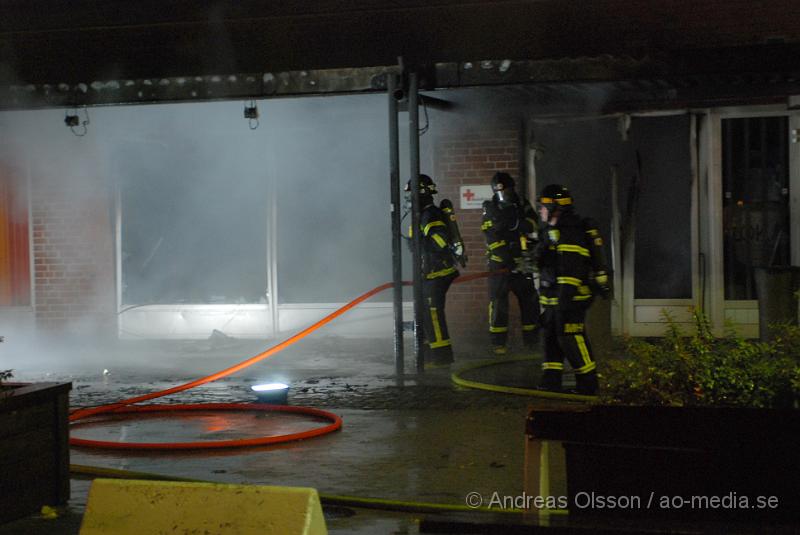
(756, 229)
(15, 276)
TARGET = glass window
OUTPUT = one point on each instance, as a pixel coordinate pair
(330, 165)
(193, 206)
(755, 178)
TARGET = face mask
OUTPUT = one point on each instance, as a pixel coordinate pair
(506, 197)
(544, 213)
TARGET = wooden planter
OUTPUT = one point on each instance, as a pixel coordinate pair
(34, 448)
(684, 463)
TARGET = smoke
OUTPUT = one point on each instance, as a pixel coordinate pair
(202, 202)
(580, 155)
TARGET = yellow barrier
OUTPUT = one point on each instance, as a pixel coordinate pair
(134, 507)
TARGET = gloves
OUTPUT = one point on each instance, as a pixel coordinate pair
(525, 263)
(458, 254)
(600, 282)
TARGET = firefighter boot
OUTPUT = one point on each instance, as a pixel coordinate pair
(499, 351)
(439, 357)
(530, 340)
(551, 380)
(586, 383)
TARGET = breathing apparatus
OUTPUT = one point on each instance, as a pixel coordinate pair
(427, 189)
(455, 234)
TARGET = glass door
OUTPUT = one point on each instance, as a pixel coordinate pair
(755, 185)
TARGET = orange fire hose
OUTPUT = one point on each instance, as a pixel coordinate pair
(123, 406)
(336, 423)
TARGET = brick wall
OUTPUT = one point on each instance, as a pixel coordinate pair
(73, 256)
(469, 153)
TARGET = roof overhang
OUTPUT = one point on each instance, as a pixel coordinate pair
(102, 52)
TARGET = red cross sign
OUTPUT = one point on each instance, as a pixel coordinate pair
(473, 195)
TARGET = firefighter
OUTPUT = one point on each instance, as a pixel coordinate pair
(439, 254)
(510, 228)
(572, 269)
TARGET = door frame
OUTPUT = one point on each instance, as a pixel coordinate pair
(642, 317)
(645, 317)
(742, 315)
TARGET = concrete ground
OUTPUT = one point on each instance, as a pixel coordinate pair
(411, 438)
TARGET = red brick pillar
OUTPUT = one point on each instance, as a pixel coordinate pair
(465, 154)
(73, 255)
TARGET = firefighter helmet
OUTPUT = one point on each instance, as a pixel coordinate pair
(555, 196)
(426, 185)
(503, 188)
(502, 181)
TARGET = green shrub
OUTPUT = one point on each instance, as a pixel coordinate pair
(700, 369)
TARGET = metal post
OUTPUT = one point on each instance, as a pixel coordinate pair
(413, 151)
(618, 323)
(397, 259)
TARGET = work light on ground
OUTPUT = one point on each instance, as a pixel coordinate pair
(274, 393)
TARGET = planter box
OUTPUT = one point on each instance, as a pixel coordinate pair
(686, 463)
(34, 448)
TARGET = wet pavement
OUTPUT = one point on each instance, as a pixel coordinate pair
(411, 438)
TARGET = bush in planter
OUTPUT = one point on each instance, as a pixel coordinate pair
(689, 414)
(699, 369)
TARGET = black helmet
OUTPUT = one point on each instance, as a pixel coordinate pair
(555, 196)
(426, 185)
(503, 188)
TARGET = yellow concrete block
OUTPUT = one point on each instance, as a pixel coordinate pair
(134, 507)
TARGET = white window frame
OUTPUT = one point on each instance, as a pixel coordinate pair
(742, 315)
(645, 317)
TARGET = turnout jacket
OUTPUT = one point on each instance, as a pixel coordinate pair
(437, 244)
(503, 228)
(572, 262)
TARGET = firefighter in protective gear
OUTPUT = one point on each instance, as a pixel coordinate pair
(572, 269)
(438, 271)
(511, 231)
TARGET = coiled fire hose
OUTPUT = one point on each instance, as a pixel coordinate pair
(126, 406)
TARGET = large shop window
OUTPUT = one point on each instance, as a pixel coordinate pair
(194, 222)
(331, 168)
(755, 178)
(15, 276)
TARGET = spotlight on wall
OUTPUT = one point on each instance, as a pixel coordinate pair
(72, 120)
(272, 393)
(251, 114)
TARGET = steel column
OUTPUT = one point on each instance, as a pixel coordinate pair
(397, 258)
(413, 152)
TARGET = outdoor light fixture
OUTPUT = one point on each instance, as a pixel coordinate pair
(251, 114)
(273, 393)
(73, 121)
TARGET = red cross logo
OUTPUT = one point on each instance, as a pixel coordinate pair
(468, 195)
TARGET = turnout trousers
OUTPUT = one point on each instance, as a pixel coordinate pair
(565, 337)
(434, 322)
(521, 285)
